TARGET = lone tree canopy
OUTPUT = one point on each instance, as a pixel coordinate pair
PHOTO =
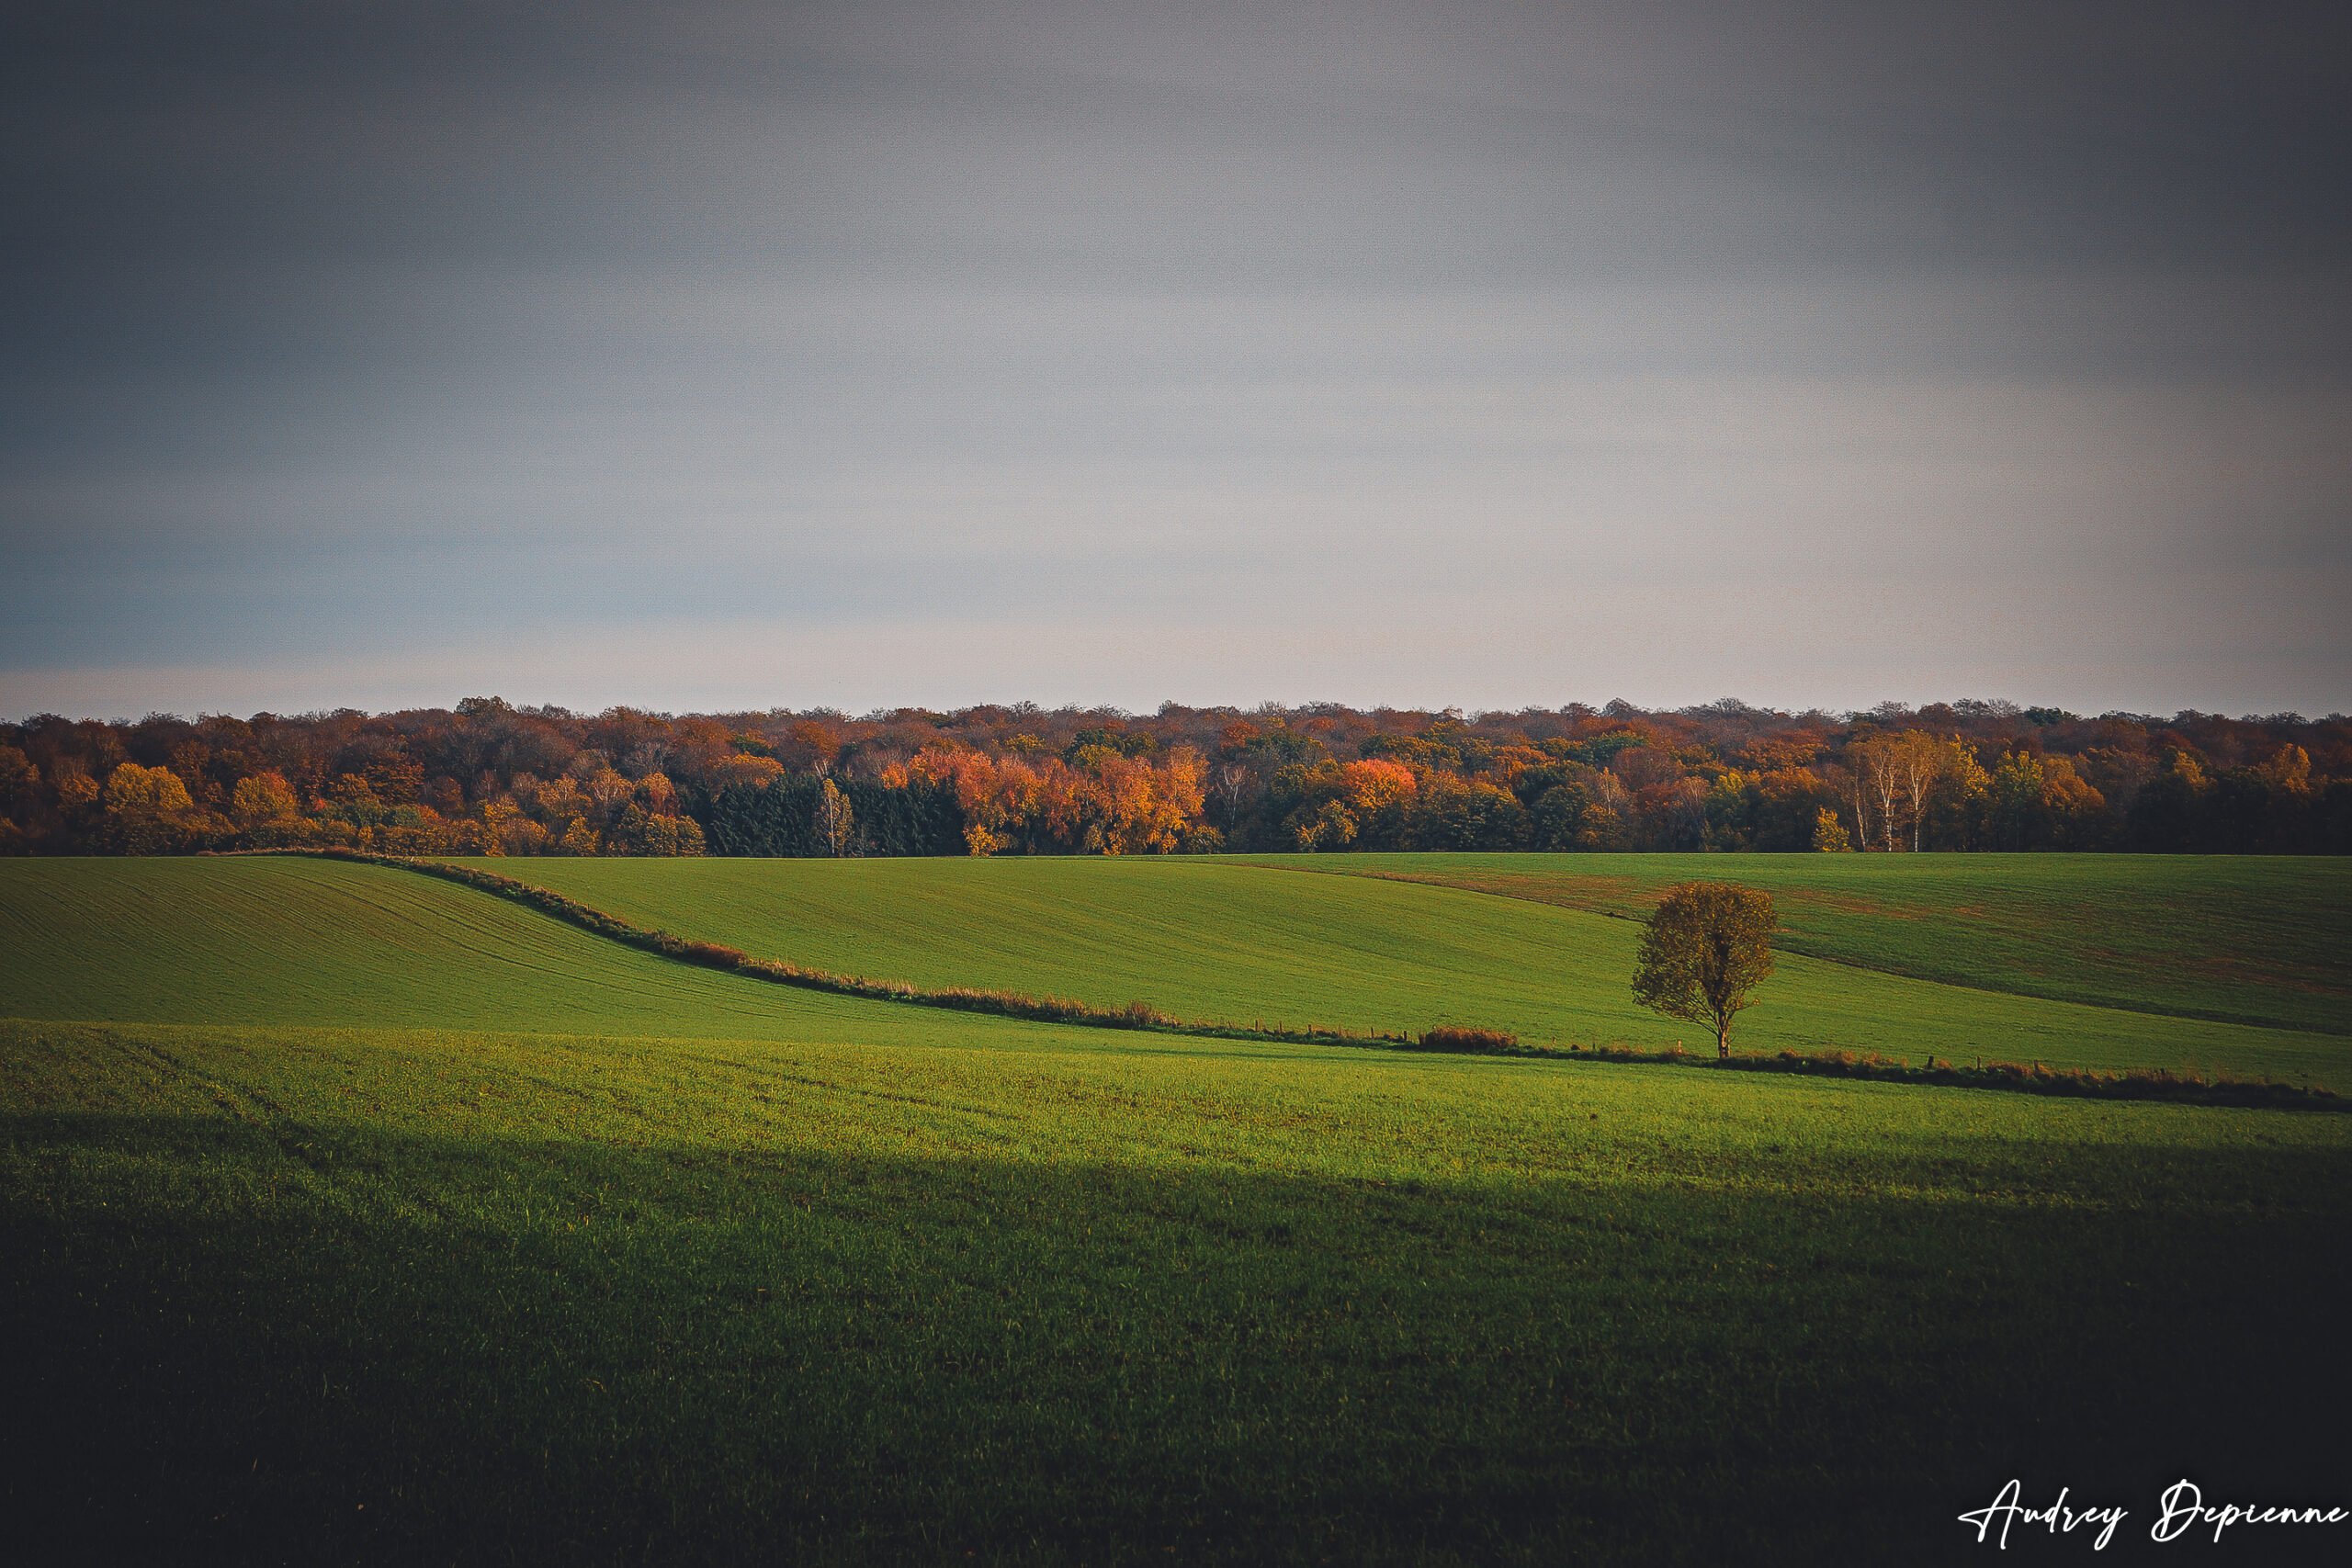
(1707, 946)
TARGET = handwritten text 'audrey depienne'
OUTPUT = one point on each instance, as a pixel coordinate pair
(2180, 1510)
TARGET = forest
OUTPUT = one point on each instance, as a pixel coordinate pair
(491, 778)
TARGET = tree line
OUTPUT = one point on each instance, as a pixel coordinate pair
(488, 777)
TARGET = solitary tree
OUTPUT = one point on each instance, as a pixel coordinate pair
(1707, 946)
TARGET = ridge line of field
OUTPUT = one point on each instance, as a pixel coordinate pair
(2035, 1078)
(2071, 999)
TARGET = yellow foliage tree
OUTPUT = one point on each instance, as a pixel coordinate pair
(1377, 784)
(835, 820)
(742, 767)
(133, 788)
(77, 793)
(1331, 827)
(263, 797)
(147, 811)
(1706, 947)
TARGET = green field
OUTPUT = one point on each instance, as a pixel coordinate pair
(312, 942)
(2237, 939)
(1230, 939)
(365, 1294)
(355, 1216)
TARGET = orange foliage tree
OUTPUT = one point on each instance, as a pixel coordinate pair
(999, 797)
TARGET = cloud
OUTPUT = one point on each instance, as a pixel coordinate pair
(362, 333)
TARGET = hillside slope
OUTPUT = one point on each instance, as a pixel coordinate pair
(264, 941)
(2237, 939)
(1224, 939)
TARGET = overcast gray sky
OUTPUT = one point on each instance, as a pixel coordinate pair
(709, 356)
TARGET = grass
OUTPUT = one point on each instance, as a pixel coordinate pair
(2187, 1087)
(1210, 938)
(328, 944)
(2232, 939)
(353, 1216)
(375, 1295)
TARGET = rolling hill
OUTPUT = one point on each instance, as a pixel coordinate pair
(1225, 939)
(2228, 938)
(364, 1217)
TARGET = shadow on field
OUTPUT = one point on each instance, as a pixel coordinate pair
(321, 1344)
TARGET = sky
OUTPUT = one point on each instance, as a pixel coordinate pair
(711, 357)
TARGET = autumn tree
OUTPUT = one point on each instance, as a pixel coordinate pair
(1877, 788)
(834, 819)
(1960, 802)
(507, 831)
(147, 810)
(1105, 803)
(658, 795)
(1852, 774)
(263, 798)
(997, 797)
(1916, 759)
(1332, 806)
(1784, 808)
(133, 788)
(1377, 795)
(2072, 811)
(742, 767)
(1961, 775)
(1706, 947)
(77, 795)
(18, 774)
(642, 832)
(1331, 827)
